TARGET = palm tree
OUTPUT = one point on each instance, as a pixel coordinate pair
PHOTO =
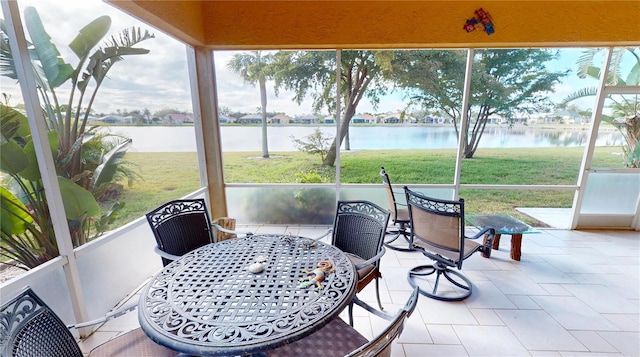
(626, 117)
(87, 166)
(254, 67)
(587, 68)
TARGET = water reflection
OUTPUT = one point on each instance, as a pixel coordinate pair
(243, 138)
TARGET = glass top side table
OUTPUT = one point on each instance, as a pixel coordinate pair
(503, 224)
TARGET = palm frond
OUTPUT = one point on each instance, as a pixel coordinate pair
(586, 61)
(7, 65)
(57, 71)
(582, 93)
(129, 38)
(105, 172)
(633, 78)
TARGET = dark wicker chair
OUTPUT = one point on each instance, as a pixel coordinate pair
(358, 230)
(181, 226)
(338, 339)
(29, 328)
(438, 230)
(399, 216)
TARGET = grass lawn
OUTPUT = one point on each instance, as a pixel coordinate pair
(169, 176)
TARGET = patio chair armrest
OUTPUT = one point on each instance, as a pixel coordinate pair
(490, 233)
(128, 307)
(222, 229)
(372, 260)
(165, 254)
(484, 231)
(372, 309)
(323, 235)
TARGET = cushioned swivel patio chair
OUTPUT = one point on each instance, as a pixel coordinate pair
(181, 226)
(438, 230)
(358, 230)
(29, 328)
(338, 339)
(399, 216)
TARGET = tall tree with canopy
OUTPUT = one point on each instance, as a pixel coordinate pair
(504, 82)
(254, 68)
(314, 73)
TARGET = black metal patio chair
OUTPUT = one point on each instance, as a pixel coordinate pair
(438, 230)
(358, 230)
(180, 226)
(399, 217)
(338, 339)
(29, 328)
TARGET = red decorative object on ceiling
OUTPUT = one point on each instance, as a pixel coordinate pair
(481, 21)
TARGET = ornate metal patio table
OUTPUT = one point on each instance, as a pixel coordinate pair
(208, 303)
(503, 224)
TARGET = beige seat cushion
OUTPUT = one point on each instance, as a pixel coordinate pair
(365, 274)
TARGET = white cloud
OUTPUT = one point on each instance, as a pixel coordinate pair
(157, 80)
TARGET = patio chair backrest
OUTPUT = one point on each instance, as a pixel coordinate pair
(437, 223)
(181, 226)
(29, 328)
(391, 196)
(380, 346)
(359, 228)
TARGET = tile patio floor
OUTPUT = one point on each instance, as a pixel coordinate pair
(574, 293)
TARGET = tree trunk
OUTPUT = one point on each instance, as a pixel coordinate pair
(347, 142)
(330, 160)
(476, 133)
(263, 103)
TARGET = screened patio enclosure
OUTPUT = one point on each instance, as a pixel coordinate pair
(321, 25)
(79, 274)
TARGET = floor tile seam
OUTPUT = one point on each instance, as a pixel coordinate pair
(617, 350)
(462, 343)
(547, 313)
(601, 337)
(426, 327)
(596, 331)
(591, 329)
(523, 343)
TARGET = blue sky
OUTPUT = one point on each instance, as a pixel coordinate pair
(160, 80)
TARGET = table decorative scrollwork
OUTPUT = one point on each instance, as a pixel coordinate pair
(209, 303)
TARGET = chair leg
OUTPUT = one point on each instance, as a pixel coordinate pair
(460, 281)
(351, 314)
(378, 293)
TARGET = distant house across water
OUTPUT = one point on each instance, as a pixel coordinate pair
(561, 117)
(177, 119)
(280, 118)
(395, 118)
(306, 119)
(250, 119)
(363, 119)
(115, 119)
(435, 120)
(226, 119)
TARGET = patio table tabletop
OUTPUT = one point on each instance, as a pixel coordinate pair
(208, 303)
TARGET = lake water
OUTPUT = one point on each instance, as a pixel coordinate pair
(248, 138)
